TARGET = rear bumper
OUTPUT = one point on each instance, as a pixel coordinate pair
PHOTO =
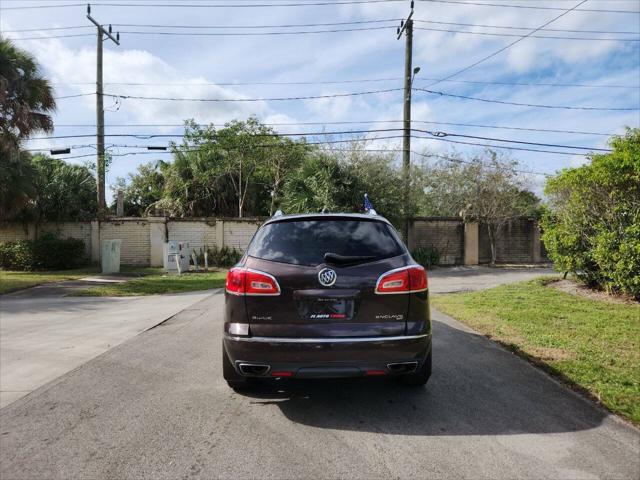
(328, 357)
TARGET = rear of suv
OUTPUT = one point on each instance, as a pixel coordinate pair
(326, 296)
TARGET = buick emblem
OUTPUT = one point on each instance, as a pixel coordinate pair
(327, 277)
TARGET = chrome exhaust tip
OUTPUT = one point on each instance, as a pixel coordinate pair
(402, 367)
(253, 369)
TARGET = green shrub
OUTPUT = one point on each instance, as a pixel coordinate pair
(46, 253)
(16, 255)
(592, 227)
(426, 256)
(220, 257)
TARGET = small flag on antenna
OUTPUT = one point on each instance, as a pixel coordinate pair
(367, 203)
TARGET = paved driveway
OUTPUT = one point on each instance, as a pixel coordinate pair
(466, 279)
(157, 407)
(44, 335)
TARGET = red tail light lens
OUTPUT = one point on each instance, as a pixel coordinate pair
(402, 280)
(244, 281)
(417, 279)
(235, 281)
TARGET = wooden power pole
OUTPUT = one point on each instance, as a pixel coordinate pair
(100, 164)
(406, 27)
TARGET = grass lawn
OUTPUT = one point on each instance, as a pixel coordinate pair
(158, 283)
(10, 280)
(592, 345)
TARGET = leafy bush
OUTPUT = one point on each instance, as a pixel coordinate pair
(16, 255)
(46, 253)
(427, 257)
(220, 257)
(593, 225)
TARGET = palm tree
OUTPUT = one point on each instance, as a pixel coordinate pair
(26, 98)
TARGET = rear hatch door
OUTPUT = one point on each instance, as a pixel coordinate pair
(327, 295)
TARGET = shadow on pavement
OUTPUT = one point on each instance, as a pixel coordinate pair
(477, 388)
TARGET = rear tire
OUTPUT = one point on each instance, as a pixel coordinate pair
(233, 378)
(420, 377)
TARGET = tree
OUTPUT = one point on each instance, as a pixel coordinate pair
(26, 98)
(142, 189)
(230, 171)
(592, 227)
(43, 189)
(337, 178)
(16, 185)
(63, 191)
(486, 188)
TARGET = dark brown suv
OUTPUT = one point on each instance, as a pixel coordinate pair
(325, 296)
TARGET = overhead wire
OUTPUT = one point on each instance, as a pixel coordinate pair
(346, 122)
(519, 104)
(437, 134)
(506, 47)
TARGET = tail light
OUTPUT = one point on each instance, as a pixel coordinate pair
(244, 281)
(402, 280)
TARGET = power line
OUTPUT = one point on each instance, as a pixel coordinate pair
(467, 162)
(74, 96)
(535, 105)
(491, 55)
(351, 94)
(306, 4)
(192, 5)
(524, 28)
(352, 122)
(362, 80)
(311, 32)
(138, 25)
(143, 136)
(531, 7)
(273, 99)
(504, 147)
(438, 135)
(548, 37)
(521, 142)
(297, 25)
(351, 132)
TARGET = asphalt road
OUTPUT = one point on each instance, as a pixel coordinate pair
(44, 334)
(157, 407)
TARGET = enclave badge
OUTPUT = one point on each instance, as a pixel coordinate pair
(327, 277)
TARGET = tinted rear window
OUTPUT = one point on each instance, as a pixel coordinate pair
(306, 242)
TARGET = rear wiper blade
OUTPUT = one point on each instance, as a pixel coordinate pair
(330, 257)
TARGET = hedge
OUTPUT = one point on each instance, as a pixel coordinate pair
(593, 225)
(46, 253)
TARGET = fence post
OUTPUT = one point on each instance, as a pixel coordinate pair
(219, 233)
(156, 241)
(411, 235)
(535, 242)
(471, 243)
(95, 241)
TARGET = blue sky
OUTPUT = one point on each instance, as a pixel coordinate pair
(197, 66)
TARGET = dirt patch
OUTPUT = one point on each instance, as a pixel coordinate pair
(580, 290)
(551, 354)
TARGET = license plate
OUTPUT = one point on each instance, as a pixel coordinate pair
(326, 309)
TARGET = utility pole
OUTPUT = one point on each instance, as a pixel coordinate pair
(100, 164)
(406, 27)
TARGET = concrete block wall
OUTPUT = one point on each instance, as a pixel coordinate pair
(445, 235)
(143, 238)
(134, 233)
(199, 234)
(238, 234)
(14, 232)
(518, 242)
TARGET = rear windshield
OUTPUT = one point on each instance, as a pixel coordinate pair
(306, 242)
